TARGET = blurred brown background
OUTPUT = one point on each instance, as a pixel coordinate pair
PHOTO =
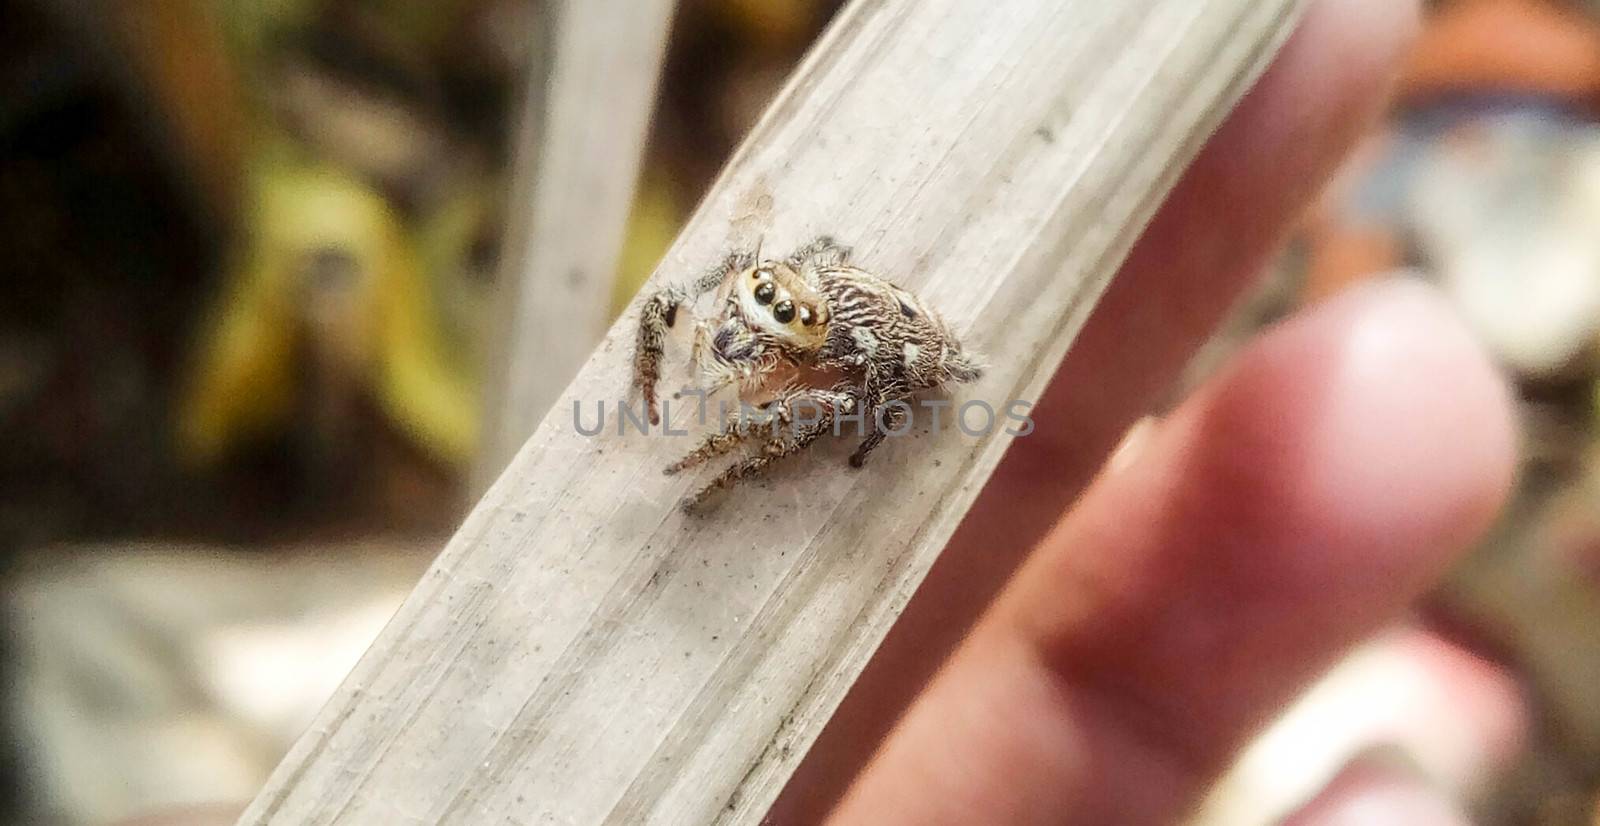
(250, 251)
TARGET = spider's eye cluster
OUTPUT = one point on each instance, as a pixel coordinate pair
(783, 311)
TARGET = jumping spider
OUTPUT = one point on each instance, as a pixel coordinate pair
(808, 328)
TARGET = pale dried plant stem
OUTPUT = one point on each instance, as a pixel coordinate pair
(582, 652)
(586, 111)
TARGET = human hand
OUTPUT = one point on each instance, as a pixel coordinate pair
(1291, 507)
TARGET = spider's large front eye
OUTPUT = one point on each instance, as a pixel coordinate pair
(783, 311)
(765, 291)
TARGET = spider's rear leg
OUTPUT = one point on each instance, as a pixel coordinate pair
(888, 417)
(887, 403)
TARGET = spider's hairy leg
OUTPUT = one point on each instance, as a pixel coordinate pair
(659, 313)
(886, 415)
(729, 437)
(963, 367)
(821, 252)
(778, 448)
(890, 417)
(798, 433)
(779, 412)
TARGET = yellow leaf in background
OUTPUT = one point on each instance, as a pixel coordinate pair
(433, 398)
(328, 297)
(242, 385)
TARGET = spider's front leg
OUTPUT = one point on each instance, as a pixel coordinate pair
(797, 433)
(821, 252)
(732, 435)
(792, 442)
(659, 313)
(777, 414)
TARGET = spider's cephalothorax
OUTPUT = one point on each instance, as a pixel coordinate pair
(808, 328)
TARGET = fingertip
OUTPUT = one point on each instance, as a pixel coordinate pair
(1295, 505)
(1450, 438)
(1376, 420)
